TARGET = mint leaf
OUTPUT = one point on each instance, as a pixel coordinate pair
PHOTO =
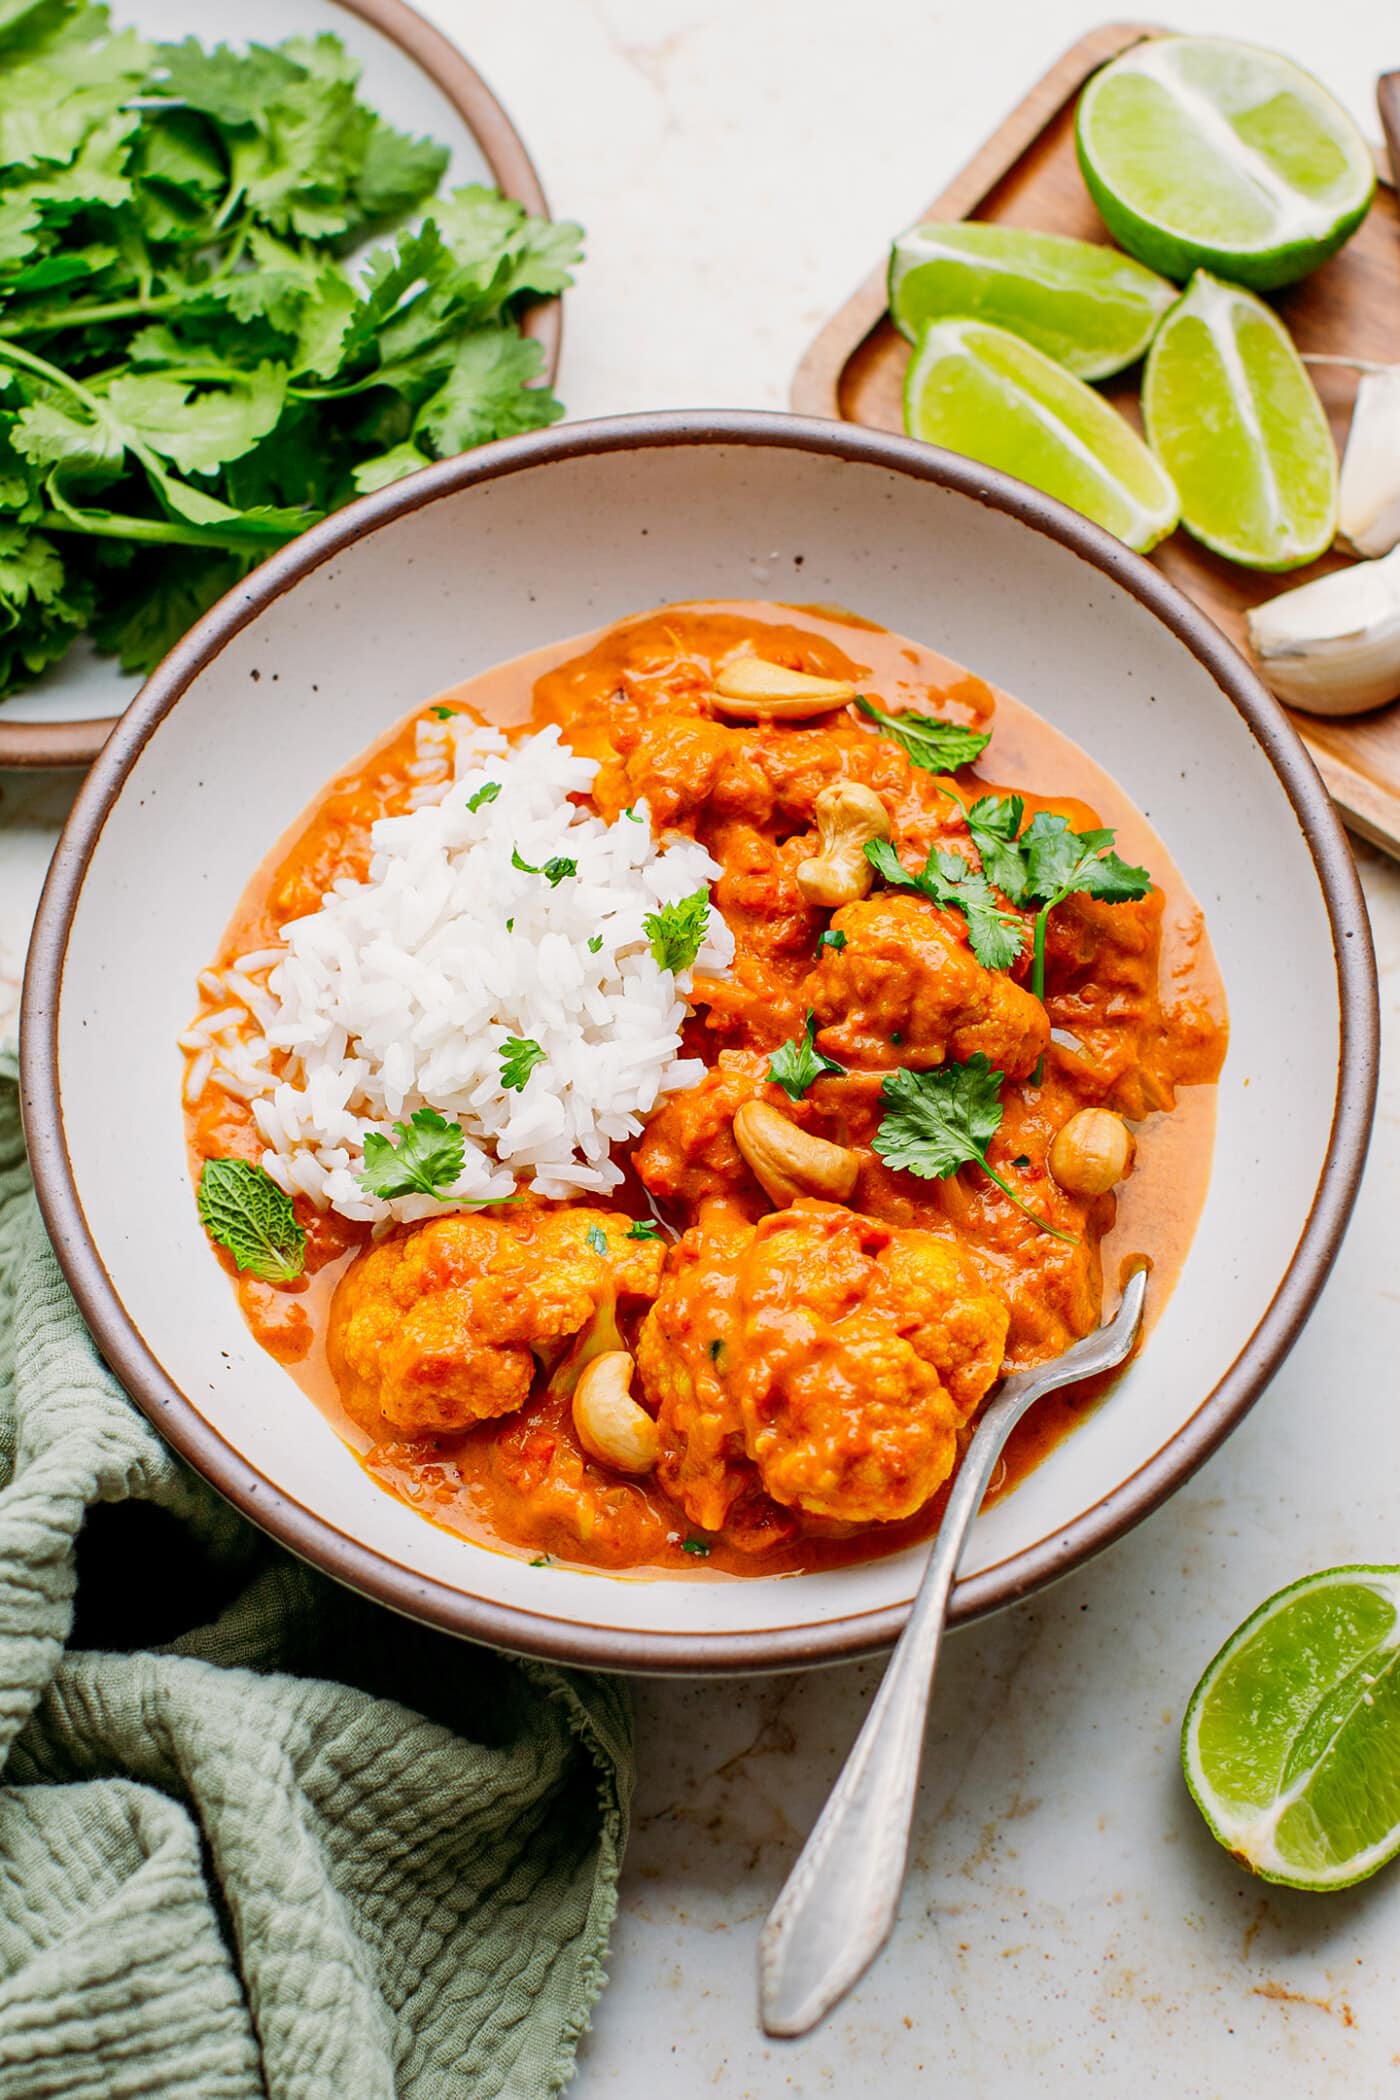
(676, 933)
(519, 1056)
(243, 1210)
(424, 1157)
(936, 1122)
(927, 740)
(796, 1063)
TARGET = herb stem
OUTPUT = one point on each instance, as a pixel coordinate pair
(155, 532)
(1054, 1231)
(50, 320)
(11, 354)
(1042, 921)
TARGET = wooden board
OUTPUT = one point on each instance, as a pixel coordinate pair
(1027, 175)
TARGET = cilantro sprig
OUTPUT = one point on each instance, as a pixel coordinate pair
(927, 740)
(676, 933)
(519, 1056)
(192, 373)
(997, 935)
(796, 1063)
(243, 1210)
(936, 1122)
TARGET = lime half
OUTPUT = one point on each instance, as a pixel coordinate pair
(1235, 419)
(1090, 308)
(983, 392)
(1291, 1743)
(1200, 152)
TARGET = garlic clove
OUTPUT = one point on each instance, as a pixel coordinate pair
(1332, 647)
(1368, 499)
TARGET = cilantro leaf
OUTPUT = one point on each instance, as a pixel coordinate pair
(927, 740)
(243, 1210)
(595, 943)
(597, 1239)
(699, 1547)
(936, 1122)
(200, 431)
(644, 1229)
(41, 607)
(1060, 862)
(519, 1056)
(996, 934)
(676, 933)
(484, 794)
(425, 1161)
(796, 1063)
(833, 938)
(554, 871)
(995, 824)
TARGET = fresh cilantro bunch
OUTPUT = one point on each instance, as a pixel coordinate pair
(936, 1122)
(194, 364)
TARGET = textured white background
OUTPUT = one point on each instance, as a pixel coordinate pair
(1068, 1926)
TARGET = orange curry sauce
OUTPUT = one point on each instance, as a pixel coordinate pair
(1132, 993)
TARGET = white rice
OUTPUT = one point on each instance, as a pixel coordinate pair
(400, 992)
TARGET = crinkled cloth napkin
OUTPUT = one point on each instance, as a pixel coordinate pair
(258, 1837)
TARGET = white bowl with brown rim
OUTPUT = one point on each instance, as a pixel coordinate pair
(485, 558)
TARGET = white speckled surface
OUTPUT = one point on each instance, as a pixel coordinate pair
(1068, 1924)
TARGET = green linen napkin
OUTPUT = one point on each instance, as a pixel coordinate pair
(256, 1835)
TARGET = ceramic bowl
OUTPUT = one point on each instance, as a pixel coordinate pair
(422, 83)
(484, 557)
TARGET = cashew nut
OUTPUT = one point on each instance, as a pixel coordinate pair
(848, 815)
(611, 1426)
(790, 1162)
(1091, 1152)
(750, 688)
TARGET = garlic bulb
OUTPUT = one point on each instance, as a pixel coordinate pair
(1368, 501)
(1333, 647)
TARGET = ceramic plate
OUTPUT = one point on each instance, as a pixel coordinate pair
(420, 82)
(484, 557)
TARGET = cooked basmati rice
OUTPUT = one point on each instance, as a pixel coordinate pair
(400, 992)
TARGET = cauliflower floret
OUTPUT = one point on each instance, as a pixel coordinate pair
(836, 1355)
(434, 1329)
(906, 989)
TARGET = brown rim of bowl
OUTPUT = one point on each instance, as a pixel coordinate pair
(788, 1646)
(63, 744)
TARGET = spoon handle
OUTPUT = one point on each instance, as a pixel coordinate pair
(839, 1903)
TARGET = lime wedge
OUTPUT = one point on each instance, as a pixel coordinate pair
(1200, 152)
(1090, 308)
(1233, 416)
(1291, 1743)
(983, 392)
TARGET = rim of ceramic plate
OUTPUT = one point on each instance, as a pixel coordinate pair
(788, 1643)
(68, 743)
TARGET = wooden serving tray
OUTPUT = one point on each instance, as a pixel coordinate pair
(1027, 175)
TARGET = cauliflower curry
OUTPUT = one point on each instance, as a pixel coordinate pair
(960, 1070)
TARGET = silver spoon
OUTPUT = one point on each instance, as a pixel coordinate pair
(838, 1906)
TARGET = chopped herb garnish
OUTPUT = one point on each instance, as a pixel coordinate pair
(487, 793)
(425, 1161)
(519, 1056)
(1022, 1159)
(927, 740)
(832, 938)
(997, 934)
(634, 813)
(716, 1349)
(244, 1211)
(797, 1062)
(554, 871)
(595, 943)
(542, 1560)
(445, 714)
(936, 1122)
(644, 1229)
(597, 1239)
(676, 933)
(697, 1546)
(510, 925)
